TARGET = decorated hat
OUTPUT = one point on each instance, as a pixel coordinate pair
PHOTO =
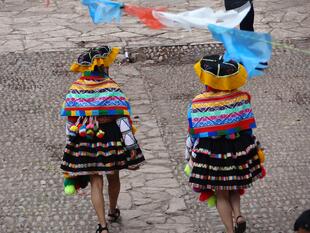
(216, 73)
(99, 56)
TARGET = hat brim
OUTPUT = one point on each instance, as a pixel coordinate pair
(98, 61)
(223, 83)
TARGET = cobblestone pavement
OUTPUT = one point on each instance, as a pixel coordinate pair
(281, 105)
(31, 195)
(157, 197)
(27, 25)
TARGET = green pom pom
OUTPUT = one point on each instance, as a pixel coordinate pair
(70, 190)
(212, 201)
(187, 170)
(68, 181)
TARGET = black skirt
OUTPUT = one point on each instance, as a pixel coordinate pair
(225, 164)
(87, 156)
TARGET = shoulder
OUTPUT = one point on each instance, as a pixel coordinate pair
(244, 94)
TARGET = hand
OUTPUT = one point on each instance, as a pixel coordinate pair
(133, 154)
(190, 162)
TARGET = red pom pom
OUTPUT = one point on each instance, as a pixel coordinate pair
(241, 191)
(205, 195)
(263, 173)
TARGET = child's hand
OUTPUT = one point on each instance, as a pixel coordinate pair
(190, 162)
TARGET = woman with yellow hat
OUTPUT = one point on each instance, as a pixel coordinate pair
(100, 133)
(225, 156)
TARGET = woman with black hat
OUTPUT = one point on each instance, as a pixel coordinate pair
(100, 132)
(225, 156)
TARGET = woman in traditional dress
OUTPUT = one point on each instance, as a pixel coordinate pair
(100, 134)
(224, 154)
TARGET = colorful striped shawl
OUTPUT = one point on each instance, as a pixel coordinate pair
(95, 96)
(220, 113)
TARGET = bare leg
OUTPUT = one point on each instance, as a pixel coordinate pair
(234, 199)
(97, 197)
(114, 189)
(225, 210)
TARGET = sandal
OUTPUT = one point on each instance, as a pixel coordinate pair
(101, 229)
(113, 217)
(240, 226)
(133, 167)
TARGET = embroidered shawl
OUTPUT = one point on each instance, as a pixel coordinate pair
(93, 95)
(220, 113)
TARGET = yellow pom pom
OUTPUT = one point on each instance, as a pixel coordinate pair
(90, 132)
(74, 128)
(70, 190)
(261, 156)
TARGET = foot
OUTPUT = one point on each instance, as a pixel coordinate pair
(133, 167)
(240, 224)
(102, 229)
(114, 215)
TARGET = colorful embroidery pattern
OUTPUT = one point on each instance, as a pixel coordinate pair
(93, 96)
(220, 113)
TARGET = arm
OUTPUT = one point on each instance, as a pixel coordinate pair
(127, 133)
(190, 144)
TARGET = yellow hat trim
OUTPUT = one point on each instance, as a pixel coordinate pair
(100, 61)
(224, 83)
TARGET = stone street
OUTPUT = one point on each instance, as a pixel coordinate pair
(38, 44)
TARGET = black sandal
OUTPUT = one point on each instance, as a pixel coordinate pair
(115, 216)
(101, 229)
(240, 226)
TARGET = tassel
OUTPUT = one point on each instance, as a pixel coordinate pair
(187, 170)
(100, 134)
(212, 201)
(241, 191)
(96, 124)
(74, 129)
(69, 186)
(261, 156)
(263, 173)
(90, 124)
(82, 128)
(82, 131)
(205, 195)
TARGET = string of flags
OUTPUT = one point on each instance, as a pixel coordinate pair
(252, 49)
(105, 11)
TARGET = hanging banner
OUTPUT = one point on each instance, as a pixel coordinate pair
(252, 49)
(202, 17)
